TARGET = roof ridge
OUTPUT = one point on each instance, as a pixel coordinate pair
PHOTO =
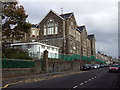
(91, 34)
(67, 13)
(81, 26)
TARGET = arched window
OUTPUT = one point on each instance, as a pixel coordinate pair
(51, 27)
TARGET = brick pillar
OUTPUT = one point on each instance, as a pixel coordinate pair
(45, 57)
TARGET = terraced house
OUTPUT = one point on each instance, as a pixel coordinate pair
(62, 31)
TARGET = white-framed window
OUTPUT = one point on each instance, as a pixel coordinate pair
(56, 28)
(48, 48)
(56, 49)
(52, 48)
(52, 30)
(42, 46)
(45, 30)
(33, 32)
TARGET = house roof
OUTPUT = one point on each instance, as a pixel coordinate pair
(33, 26)
(52, 12)
(66, 16)
(80, 28)
(92, 36)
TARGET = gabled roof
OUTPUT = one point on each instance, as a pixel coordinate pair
(56, 13)
(66, 16)
(52, 12)
(80, 28)
(92, 36)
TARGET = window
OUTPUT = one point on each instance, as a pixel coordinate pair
(33, 32)
(45, 31)
(56, 49)
(52, 48)
(48, 48)
(39, 49)
(52, 30)
(72, 26)
(56, 28)
(51, 27)
(43, 46)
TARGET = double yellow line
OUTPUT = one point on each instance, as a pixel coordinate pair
(9, 85)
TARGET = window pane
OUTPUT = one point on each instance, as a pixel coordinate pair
(44, 31)
(52, 30)
(48, 31)
(33, 32)
(56, 30)
(43, 46)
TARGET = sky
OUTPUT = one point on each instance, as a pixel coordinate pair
(99, 16)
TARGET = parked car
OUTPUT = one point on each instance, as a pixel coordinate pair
(94, 66)
(114, 68)
(102, 65)
(86, 67)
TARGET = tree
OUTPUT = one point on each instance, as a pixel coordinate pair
(14, 24)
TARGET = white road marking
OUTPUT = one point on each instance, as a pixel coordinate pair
(86, 81)
(81, 84)
(92, 78)
(75, 86)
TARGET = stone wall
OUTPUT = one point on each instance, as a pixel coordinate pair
(13, 72)
(59, 66)
(53, 66)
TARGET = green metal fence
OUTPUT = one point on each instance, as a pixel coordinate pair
(86, 58)
(69, 57)
(100, 61)
(76, 57)
(17, 63)
(72, 57)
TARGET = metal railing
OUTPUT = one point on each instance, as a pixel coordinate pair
(16, 63)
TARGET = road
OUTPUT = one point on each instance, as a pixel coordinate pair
(98, 78)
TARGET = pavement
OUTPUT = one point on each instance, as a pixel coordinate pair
(34, 78)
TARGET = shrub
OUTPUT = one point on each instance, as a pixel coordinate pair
(13, 53)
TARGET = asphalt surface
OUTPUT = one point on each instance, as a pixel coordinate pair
(98, 78)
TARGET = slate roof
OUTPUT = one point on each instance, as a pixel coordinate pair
(80, 28)
(66, 16)
(92, 36)
(33, 26)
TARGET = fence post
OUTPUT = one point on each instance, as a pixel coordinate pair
(45, 57)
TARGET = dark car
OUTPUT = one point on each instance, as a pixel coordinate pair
(86, 67)
(114, 68)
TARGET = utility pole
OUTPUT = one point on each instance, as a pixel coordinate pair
(63, 33)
